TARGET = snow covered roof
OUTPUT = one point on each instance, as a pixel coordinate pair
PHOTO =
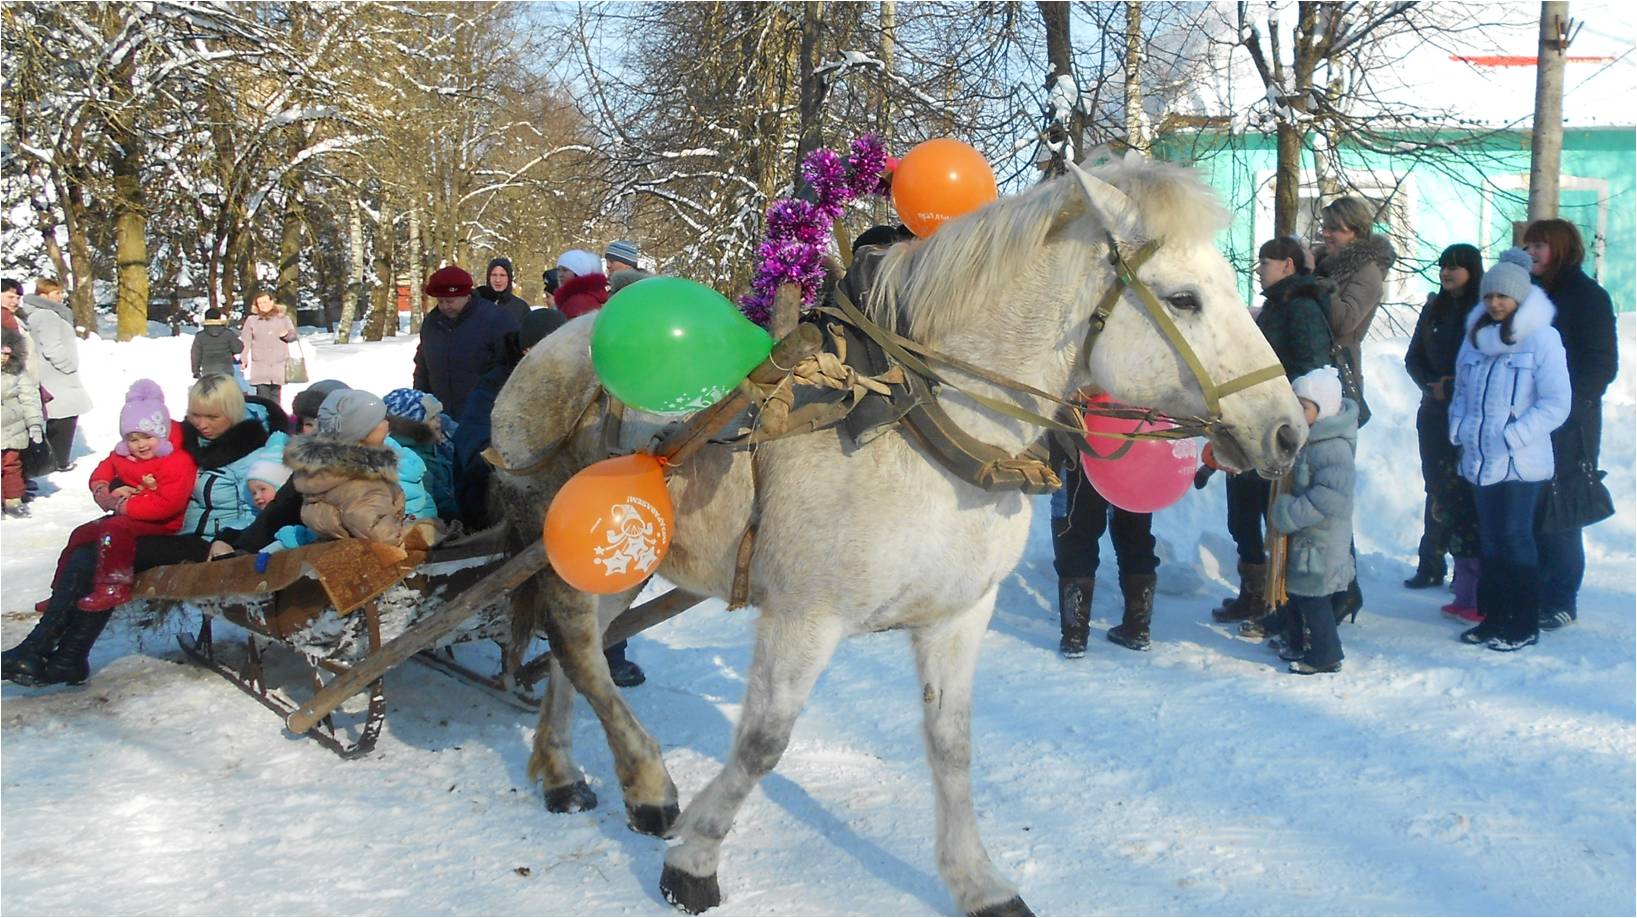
(1468, 74)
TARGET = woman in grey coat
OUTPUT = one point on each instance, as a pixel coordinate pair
(51, 326)
(1317, 514)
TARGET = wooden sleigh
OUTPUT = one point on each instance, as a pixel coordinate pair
(351, 610)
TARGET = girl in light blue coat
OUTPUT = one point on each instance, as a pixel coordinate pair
(1511, 392)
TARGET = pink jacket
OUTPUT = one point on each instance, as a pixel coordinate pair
(266, 345)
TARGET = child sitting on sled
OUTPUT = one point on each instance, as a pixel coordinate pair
(144, 485)
(349, 476)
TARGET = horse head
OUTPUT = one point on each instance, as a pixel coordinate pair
(1016, 287)
(1175, 335)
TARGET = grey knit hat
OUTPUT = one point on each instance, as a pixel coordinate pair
(350, 414)
(306, 402)
(1509, 276)
(622, 250)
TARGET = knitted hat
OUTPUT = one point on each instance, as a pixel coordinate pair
(622, 250)
(306, 402)
(538, 324)
(580, 262)
(269, 471)
(413, 404)
(451, 280)
(145, 412)
(1509, 276)
(215, 317)
(350, 414)
(1322, 387)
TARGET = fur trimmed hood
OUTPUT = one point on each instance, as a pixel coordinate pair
(1346, 261)
(1533, 314)
(411, 432)
(316, 457)
(1301, 285)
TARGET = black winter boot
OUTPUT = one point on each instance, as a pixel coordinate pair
(1429, 569)
(624, 673)
(25, 662)
(71, 663)
(1074, 614)
(1249, 603)
(1132, 631)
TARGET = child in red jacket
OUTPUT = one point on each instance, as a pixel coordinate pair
(144, 484)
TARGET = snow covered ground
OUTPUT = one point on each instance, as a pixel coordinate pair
(1428, 778)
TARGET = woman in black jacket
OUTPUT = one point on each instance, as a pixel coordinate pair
(1450, 521)
(1585, 320)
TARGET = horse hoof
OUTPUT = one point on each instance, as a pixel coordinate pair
(687, 892)
(652, 820)
(571, 798)
(1012, 906)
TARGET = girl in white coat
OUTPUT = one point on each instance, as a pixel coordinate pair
(1511, 392)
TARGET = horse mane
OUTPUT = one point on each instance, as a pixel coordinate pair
(966, 272)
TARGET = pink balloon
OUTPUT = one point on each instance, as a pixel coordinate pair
(1152, 475)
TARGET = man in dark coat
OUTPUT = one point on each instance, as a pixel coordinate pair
(501, 291)
(460, 340)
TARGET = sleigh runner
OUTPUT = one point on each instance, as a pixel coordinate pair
(352, 610)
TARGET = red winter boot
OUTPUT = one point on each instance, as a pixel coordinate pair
(111, 586)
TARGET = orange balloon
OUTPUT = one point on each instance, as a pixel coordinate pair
(938, 180)
(610, 525)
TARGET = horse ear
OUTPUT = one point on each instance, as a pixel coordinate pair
(1116, 211)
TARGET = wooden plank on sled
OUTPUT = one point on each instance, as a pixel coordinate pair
(418, 637)
(351, 571)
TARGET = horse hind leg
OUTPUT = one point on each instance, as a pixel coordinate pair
(551, 762)
(946, 655)
(575, 628)
(790, 654)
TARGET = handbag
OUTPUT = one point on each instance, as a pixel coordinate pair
(1576, 497)
(1351, 385)
(295, 368)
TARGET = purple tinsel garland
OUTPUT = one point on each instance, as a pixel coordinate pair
(796, 230)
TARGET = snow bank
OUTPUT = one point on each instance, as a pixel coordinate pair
(1428, 778)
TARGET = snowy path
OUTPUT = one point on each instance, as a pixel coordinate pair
(1428, 778)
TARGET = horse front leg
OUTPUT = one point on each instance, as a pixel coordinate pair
(789, 656)
(946, 654)
(575, 628)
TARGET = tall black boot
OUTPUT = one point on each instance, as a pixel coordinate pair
(71, 663)
(1074, 614)
(25, 662)
(1132, 631)
(1429, 569)
(1251, 601)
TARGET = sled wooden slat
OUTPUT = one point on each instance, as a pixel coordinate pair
(418, 637)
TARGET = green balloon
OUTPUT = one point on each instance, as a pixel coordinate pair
(673, 346)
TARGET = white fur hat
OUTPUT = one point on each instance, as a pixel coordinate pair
(580, 262)
(1322, 387)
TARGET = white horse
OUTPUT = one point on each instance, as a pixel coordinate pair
(1010, 288)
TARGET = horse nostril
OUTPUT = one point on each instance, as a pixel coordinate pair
(1287, 441)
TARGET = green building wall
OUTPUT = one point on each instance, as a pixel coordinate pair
(1444, 188)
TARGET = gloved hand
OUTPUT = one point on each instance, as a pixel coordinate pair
(1202, 476)
(36, 434)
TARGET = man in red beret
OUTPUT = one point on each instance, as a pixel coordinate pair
(460, 340)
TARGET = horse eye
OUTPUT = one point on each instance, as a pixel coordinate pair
(1185, 302)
